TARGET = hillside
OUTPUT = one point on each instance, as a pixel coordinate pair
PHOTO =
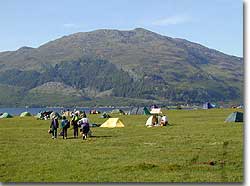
(135, 64)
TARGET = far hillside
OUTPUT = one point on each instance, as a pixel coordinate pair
(135, 67)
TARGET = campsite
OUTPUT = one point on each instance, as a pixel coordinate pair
(123, 92)
(196, 146)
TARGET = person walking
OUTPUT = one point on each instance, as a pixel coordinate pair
(74, 121)
(84, 123)
(53, 127)
(64, 127)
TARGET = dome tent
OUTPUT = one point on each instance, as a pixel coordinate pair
(23, 114)
(55, 114)
(149, 122)
(117, 111)
(6, 115)
(139, 110)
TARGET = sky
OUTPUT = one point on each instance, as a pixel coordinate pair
(216, 24)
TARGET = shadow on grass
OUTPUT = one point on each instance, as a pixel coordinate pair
(72, 138)
(79, 137)
(101, 136)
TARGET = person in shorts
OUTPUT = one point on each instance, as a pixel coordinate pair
(84, 127)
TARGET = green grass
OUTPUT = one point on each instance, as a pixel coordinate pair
(176, 153)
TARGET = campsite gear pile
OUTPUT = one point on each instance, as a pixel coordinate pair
(105, 115)
(46, 115)
(94, 112)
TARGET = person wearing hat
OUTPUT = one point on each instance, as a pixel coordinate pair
(53, 127)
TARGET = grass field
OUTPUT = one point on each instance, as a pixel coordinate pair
(181, 152)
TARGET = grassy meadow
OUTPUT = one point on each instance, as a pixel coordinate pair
(197, 146)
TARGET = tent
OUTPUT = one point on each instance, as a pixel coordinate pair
(117, 111)
(156, 111)
(208, 105)
(139, 110)
(6, 115)
(105, 115)
(113, 122)
(149, 122)
(55, 114)
(67, 113)
(235, 117)
(46, 115)
(23, 114)
(146, 111)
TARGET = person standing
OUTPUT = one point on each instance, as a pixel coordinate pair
(164, 120)
(84, 123)
(53, 127)
(74, 121)
(64, 126)
(154, 120)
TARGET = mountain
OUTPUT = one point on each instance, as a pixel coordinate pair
(135, 66)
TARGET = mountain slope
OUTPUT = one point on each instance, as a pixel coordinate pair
(130, 64)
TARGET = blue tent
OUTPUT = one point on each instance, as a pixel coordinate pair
(208, 105)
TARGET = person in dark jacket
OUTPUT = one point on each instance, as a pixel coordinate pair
(74, 121)
(64, 127)
(53, 127)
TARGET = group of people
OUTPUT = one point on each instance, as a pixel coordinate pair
(157, 120)
(160, 120)
(76, 122)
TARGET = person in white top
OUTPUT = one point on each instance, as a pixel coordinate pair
(85, 129)
(164, 120)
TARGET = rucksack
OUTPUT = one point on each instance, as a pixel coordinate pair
(68, 124)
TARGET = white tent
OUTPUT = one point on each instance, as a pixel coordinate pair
(149, 122)
(156, 111)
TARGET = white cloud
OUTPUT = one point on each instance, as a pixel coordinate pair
(172, 20)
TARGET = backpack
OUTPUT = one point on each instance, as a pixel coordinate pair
(68, 124)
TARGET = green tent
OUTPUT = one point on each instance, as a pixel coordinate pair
(6, 115)
(55, 114)
(139, 110)
(105, 115)
(23, 114)
(146, 111)
(235, 117)
(117, 111)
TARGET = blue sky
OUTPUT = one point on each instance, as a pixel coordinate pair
(216, 24)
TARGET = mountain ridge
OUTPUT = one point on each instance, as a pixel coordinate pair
(150, 61)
